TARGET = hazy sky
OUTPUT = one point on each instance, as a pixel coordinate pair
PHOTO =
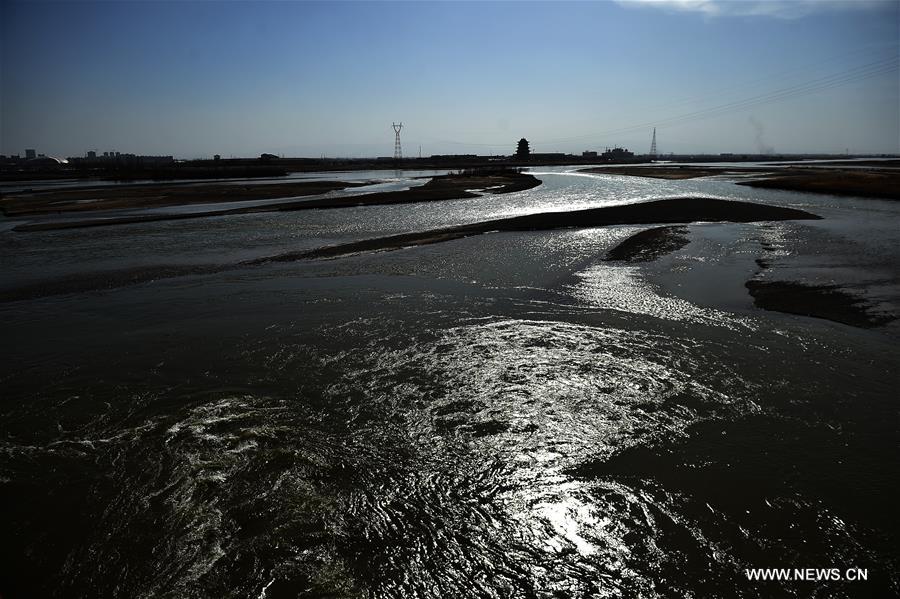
(305, 79)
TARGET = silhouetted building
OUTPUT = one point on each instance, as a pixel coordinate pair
(29, 154)
(589, 154)
(522, 150)
(120, 161)
(617, 154)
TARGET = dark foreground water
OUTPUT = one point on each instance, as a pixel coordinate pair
(499, 416)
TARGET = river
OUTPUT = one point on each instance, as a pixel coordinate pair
(505, 415)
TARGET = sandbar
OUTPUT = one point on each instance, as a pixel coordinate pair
(665, 172)
(880, 183)
(153, 195)
(870, 179)
(818, 301)
(445, 187)
(650, 244)
(674, 210)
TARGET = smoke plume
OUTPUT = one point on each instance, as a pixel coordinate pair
(761, 146)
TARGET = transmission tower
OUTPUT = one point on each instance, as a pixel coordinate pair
(398, 153)
(653, 145)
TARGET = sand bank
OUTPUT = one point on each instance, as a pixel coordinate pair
(884, 184)
(665, 172)
(676, 210)
(650, 244)
(115, 197)
(818, 301)
(871, 180)
(447, 187)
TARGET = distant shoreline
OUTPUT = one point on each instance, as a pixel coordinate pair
(859, 183)
(870, 179)
(273, 166)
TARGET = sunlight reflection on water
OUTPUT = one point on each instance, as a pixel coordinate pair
(622, 288)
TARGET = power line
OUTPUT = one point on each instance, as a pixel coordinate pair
(819, 84)
(756, 83)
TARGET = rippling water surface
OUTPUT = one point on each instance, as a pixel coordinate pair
(500, 416)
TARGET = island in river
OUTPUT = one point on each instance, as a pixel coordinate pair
(453, 186)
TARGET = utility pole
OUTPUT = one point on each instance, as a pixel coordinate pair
(653, 145)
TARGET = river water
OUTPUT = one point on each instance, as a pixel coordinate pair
(505, 415)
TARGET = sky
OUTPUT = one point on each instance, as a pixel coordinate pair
(193, 79)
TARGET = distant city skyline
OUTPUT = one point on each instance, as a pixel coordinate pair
(194, 79)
